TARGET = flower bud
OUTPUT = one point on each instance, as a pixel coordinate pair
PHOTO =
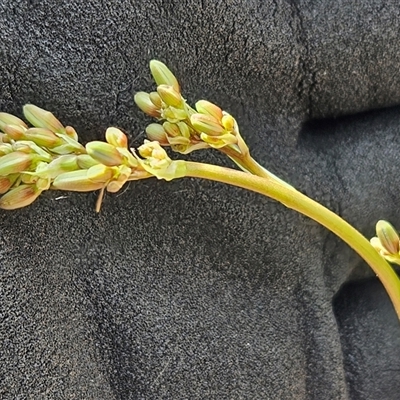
(60, 165)
(15, 132)
(15, 162)
(142, 100)
(184, 129)
(42, 119)
(170, 96)
(5, 148)
(76, 181)
(388, 236)
(207, 124)
(228, 122)
(207, 108)
(217, 142)
(100, 173)
(162, 75)
(6, 182)
(156, 132)
(173, 115)
(156, 99)
(42, 137)
(104, 153)
(9, 119)
(171, 129)
(71, 132)
(116, 137)
(85, 161)
(19, 197)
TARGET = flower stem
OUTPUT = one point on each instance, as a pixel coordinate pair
(291, 198)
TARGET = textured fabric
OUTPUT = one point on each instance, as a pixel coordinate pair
(192, 289)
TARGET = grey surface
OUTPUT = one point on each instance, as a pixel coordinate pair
(193, 289)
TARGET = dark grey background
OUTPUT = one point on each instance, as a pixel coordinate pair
(192, 289)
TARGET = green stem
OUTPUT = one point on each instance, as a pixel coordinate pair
(295, 200)
(248, 164)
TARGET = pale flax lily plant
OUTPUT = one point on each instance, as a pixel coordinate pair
(49, 156)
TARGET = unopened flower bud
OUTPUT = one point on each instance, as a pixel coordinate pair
(85, 161)
(228, 122)
(15, 132)
(155, 99)
(42, 119)
(162, 75)
(76, 181)
(156, 132)
(71, 132)
(5, 148)
(14, 162)
(6, 182)
(100, 173)
(171, 129)
(104, 153)
(142, 100)
(116, 137)
(207, 124)
(170, 96)
(19, 197)
(388, 236)
(60, 165)
(9, 119)
(42, 137)
(173, 115)
(184, 129)
(207, 108)
(217, 142)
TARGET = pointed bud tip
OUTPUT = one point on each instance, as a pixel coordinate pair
(162, 75)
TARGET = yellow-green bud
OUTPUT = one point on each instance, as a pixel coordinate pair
(19, 197)
(208, 108)
(9, 119)
(104, 153)
(171, 129)
(162, 75)
(184, 129)
(42, 137)
(85, 161)
(173, 115)
(60, 165)
(142, 100)
(228, 122)
(100, 173)
(76, 181)
(5, 148)
(42, 119)
(388, 236)
(207, 124)
(15, 162)
(71, 132)
(156, 99)
(116, 137)
(217, 142)
(156, 132)
(170, 96)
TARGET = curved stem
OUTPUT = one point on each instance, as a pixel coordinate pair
(295, 200)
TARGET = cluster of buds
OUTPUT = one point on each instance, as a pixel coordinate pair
(387, 242)
(49, 156)
(180, 126)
